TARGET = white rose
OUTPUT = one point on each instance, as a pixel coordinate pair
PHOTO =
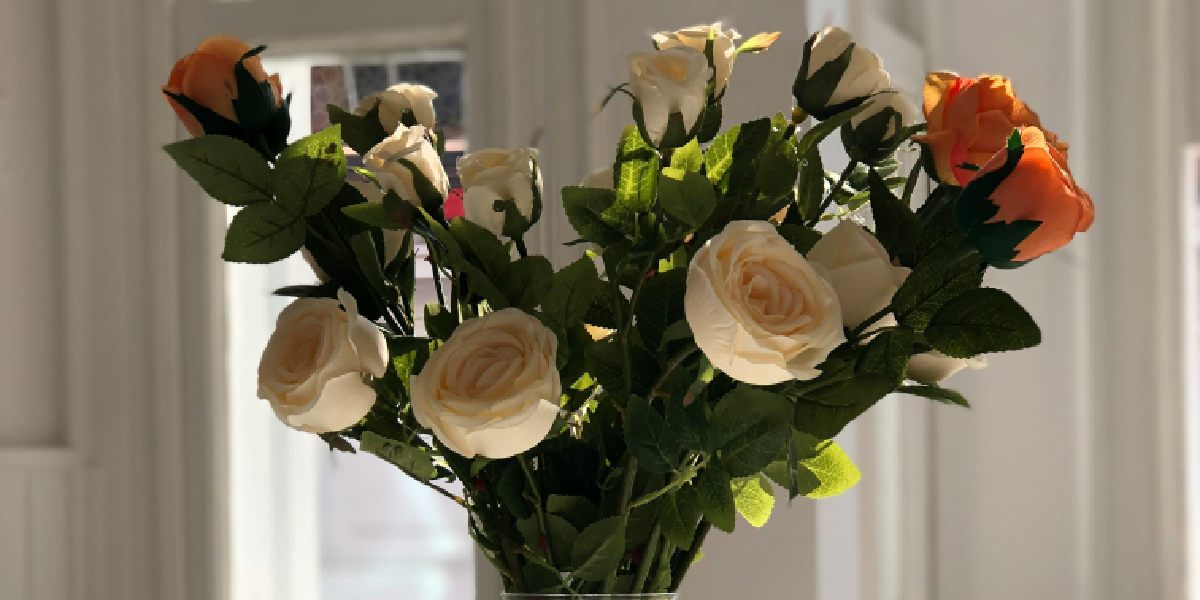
(498, 174)
(864, 75)
(492, 389)
(411, 144)
(874, 132)
(397, 99)
(696, 38)
(602, 179)
(666, 82)
(859, 269)
(933, 366)
(893, 103)
(313, 369)
(760, 312)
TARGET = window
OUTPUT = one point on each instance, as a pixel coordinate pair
(307, 523)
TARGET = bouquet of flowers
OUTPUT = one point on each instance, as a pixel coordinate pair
(734, 306)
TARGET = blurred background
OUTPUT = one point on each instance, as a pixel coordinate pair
(136, 462)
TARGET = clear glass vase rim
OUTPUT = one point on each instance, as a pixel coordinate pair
(534, 596)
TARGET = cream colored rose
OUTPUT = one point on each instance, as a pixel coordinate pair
(759, 310)
(864, 75)
(397, 99)
(666, 82)
(412, 145)
(890, 102)
(493, 388)
(602, 179)
(696, 38)
(933, 366)
(314, 367)
(498, 174)
(859, 269)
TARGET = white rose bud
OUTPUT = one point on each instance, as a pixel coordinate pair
(394, 101)
(858, 266)
(602, 179)
(863, 76)
(933, 366)
(696, 38)
(668, 82)
(759, 310)
(313, 369)
(499, 174)
(412, 145)
(493, 388)
(874, 132)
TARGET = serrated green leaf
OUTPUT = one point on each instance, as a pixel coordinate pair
(359, 132)
(749, 427)
(578, 510)
(323, 145)
(227, 169)
(688, 157)
(715, 497)
(753, 499)
(527, 281)
(262, 233)
(410, 459)
(778, 169)
(572, 291)
(979, 321)
(800, 237)
(588, 211)
(648, 438)
(636, 172)
(688, 423)
(678, 515)
(304, 185)
(660, 305)
(939, 277)
(836, 472)
(689, 198)
(598, 549)
(896, 226)
(510, 490)
(810, 187)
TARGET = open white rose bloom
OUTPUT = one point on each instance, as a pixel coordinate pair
(728, 312)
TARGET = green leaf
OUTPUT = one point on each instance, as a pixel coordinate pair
(588, 211)
(373, 214)
(836, 472)
(789, 473)
(709, 123)
(896, 226)
(410, 459)
(323, 145)
(578, 510)
(688, 157)
(687, 196)
(636, 172)
(528, 281)
(800, 237)
(481, 248)
(714, 495)
(810, 188)
(937, 394)
(753, 499)
(818, 133)
(367, 257)
(510, 490)
(688, 423)
(936, 279)
(660, 305)
(648, 437)
(572, 291)
(749, 427)
(262, 233)
(982, 320)
(678, 514)
(598, 549)
(227, 169)
(718, 158)
(778, 168)
(439, 322)
(359, 132)
(304, 185)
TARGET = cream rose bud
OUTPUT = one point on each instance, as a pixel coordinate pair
(493, 388)
(696, 38)
(759, 310)
(862, 76)
(395, 100)
(499, 174)
(874, 132)
(667, 82)
(933, 366)
(602, 179)
(314, 367)
(858, 267)
(411, 144)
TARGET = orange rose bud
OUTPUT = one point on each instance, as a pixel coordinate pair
(1038, 193)
(203, 87)
(969, 120)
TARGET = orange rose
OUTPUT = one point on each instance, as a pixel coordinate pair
(1039, 188)
(968, 120)
(206, 77)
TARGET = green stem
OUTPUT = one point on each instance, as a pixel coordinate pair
(861, 327)
(522, 251)
(910, 184)
(672, 364)
(539, 510)
(833, 192)
(682, 477)
(648, 556)
(689, 557)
